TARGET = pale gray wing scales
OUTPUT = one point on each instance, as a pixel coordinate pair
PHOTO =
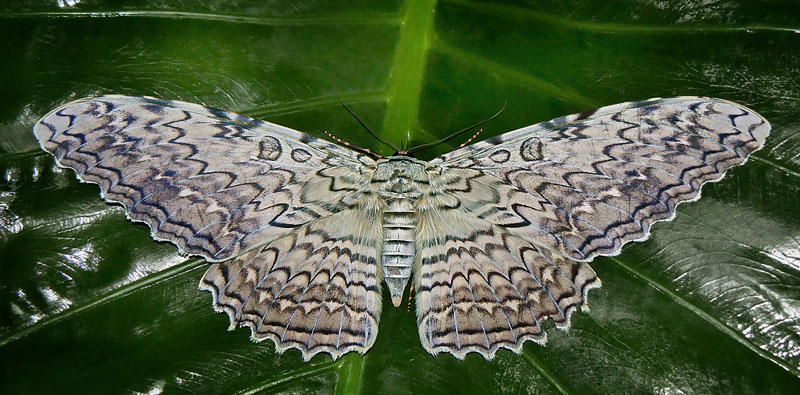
(479, 288)
(212, 182)
(508, 224)
(315, 289)
(586, 184)
(282, 209)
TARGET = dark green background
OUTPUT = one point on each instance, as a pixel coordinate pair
(710, 304)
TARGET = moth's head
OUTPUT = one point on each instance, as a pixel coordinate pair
(403, 152)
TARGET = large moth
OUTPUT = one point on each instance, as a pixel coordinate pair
(495, 237)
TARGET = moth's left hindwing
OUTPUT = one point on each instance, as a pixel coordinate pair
(220, 185)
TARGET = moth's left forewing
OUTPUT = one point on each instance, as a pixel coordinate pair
(545, 199)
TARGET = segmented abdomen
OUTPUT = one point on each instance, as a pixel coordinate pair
(399, 228)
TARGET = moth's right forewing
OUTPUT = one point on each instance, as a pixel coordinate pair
(213, 183)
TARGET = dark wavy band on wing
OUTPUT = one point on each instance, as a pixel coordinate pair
(589, 183)
(212, 182)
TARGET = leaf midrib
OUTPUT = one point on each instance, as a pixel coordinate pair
(402, 111)
(407, 72)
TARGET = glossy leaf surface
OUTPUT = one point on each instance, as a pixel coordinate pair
(88, 302)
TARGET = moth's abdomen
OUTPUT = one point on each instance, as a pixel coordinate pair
(399, 228)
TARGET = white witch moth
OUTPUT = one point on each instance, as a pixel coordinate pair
(496, 235)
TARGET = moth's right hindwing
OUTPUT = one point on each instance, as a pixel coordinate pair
(481, 288)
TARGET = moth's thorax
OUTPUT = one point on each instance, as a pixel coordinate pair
(400, 176)
(394, 167)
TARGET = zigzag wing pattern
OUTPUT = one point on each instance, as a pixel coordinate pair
(281, 207)
(481, 288)
(509, 223)
(213, 183)
(314, 289)
(499, 232)
(586, 184)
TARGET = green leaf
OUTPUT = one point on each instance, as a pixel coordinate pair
(89, 303)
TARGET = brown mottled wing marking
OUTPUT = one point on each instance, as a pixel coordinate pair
(230, 188)
(213, 183)
(482, 288)
(314, 289)
(519, 206)
(503, 228)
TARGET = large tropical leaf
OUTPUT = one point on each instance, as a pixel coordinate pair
(89, 303)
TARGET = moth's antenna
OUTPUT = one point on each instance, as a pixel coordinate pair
(435, 143)
(373, 134)
(469, 140)
(348, 145)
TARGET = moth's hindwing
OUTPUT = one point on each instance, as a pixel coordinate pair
(314, 289)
